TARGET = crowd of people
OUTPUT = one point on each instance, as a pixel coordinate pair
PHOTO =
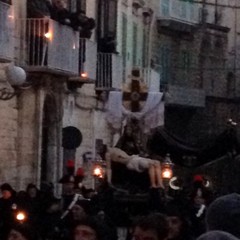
(86, 214)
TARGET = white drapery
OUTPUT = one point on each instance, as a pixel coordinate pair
(151, 116)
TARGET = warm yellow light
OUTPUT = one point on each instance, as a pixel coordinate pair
(48, 35)
(167, 173)
(84, 74)
(97, 171)
(20, 216)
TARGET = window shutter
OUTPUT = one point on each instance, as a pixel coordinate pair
(134, 47)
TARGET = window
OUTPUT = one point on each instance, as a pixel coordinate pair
(145, 48)
(112, 17)
(165, 58)
(107, 18)
(185, 60)
(124, 41)
(135, 45)
(165, 8)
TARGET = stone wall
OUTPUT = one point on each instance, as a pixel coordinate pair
(8, 141)
(27, 162)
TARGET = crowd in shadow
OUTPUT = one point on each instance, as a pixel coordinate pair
(87, 214)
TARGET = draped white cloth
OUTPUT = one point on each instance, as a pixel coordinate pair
(151, 116)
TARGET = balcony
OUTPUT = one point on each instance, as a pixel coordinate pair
(178, 15)
(87, 64)
(47, 46)
(109, 71)
(185, 97)
(6, 32)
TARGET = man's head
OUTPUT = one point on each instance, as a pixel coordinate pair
(88, 229)
(224, 214)
(6, 191)
(32, 190)
(152, 227)
(22, 231)
(80, 210)
(177, 219)
(219, 235)
(60, 4)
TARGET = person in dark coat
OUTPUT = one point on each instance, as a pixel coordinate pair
(200, 198)
(34, 205)
(59, 12)
(50, 223)
(153, 226)
(23, 231)
(223, 214)
(7, 207)
(89, 229)
(38, 8)
(179, 221)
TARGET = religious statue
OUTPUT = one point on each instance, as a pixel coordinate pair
(135, 163)
(129, 141)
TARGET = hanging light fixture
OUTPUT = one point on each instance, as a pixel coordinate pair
(167, 165)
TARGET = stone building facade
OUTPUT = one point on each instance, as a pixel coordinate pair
(192, 42)
(68, 80)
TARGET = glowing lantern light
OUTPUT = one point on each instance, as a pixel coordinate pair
(48, 35)
(167, 173)
(98, 171)
(167, 167)
(84, 75)
(20, 216)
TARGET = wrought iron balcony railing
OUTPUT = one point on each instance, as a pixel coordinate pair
(6, 32)
(46, 45)
(109, 71)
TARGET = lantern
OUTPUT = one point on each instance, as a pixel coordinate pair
(167, 167)
(84, 75)
(20, 216)
(99, 168)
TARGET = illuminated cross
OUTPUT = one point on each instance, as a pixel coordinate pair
(135, 95)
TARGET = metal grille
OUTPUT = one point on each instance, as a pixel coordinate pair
(109, 71)
(46, 43)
